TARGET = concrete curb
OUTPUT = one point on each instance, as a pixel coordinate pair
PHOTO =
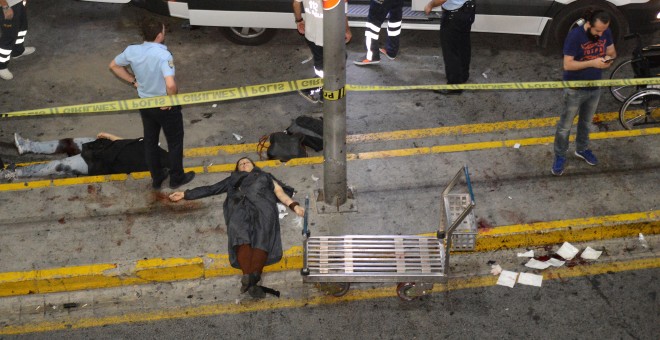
(106, 275)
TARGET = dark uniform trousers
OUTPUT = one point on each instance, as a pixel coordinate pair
(455, 29)
(12, 34)
(378, 11)
(171, 121)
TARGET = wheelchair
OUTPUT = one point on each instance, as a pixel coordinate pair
(641, 103)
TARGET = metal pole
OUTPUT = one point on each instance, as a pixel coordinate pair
(334, 106)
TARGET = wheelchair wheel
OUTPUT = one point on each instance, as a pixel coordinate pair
(641, 109)
(623, 71)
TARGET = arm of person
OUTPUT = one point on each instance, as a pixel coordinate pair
(109, 136)
(122, 73)
(349, 34)
(610, 52)
(297, 15)
(201, 192)
(570, 64)
(6, 10)
(433, 4)
(286, 200)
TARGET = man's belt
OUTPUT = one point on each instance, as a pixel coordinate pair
(458, 9)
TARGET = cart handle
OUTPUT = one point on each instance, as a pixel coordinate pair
(306, 232)
(469, 183)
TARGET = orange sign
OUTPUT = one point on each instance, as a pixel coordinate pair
(330, 4)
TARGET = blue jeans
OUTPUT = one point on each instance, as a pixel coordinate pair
(74, 165)
(577, 102)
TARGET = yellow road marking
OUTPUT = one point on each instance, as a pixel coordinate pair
(284, 303)
(173, 269)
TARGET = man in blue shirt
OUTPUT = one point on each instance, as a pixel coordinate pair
(153, 68)
(587, 51)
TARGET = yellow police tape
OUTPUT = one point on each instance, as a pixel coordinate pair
(294, 85)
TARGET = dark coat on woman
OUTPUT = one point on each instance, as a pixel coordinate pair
(250, 211)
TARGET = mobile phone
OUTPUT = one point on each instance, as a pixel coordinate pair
(609, 60)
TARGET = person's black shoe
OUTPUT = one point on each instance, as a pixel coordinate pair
(245, 283)
(257, 292)
(157, 183)
(448, 92)
(187, 177)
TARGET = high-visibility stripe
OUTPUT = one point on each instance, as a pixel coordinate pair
(393, 33)
(22, 33)
(373, 27)
(5, 52)
(394, 24)
(318, 72)
(4, 60)
(20, 41)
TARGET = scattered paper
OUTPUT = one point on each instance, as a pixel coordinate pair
(526, 254)
(214, 105)
(591, 254)
(496, 269)
(237, 136)
(642, 240)
(281, 207)
(507, 278)
(509, 197)
(314, 178)
(485, 73)
(516, 146)
(536, 264)
(555, 262)
(567, 251)
(530, 279)
(306, 60)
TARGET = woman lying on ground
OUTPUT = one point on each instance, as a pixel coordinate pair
(252, 218)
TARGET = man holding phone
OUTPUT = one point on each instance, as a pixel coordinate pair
(588, 50)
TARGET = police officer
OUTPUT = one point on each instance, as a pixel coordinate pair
(12, 34)
(378, 11)
(455, 26)
(153, 66)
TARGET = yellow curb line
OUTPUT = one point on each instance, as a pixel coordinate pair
(283, 303)
(174, 269)
(351, 157)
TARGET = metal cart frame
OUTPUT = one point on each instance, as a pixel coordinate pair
(416, 262)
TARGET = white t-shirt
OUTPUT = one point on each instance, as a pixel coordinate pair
(313, 20)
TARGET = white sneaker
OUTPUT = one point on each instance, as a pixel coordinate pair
(28, 50)
(6, 75)
(20, 143)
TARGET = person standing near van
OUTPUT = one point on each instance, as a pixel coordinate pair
(378, 11)
(13, 30)
(588, 49)
(153, 66)
(455, 27)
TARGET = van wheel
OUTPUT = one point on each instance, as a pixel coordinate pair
(567, 19)
(251, 36)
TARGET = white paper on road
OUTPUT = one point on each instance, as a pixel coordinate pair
(526, 254)
(507, 278)
(555, 262)
(495, 269)
(591, 254)
(567, 251)
(536, 264)
(530, 279)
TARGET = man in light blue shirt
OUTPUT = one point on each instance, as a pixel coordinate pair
(153, 76)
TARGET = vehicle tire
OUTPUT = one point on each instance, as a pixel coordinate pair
(623, 71)
(643, 114)
(250, 36)
(567, 19)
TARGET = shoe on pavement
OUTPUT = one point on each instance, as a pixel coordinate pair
(157, 183)
(588, 156)
(187, 177)
(28, 50)
(6, 75)
(384, 51)
(365, 61)
(21, 143)
(558, 165)
(309, 95)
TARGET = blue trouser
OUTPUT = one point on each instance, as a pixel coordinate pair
(12, 34)
(582, 103)
(75, 165)
(378, 11)
(171, 121)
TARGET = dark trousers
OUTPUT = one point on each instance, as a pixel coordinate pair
(455, 42)
(12, 34)
(317, 53)
(171, 121)
(378, 11)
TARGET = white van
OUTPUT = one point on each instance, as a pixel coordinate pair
(254, 22)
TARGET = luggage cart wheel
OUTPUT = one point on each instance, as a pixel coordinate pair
(405, 291)
(337, 289)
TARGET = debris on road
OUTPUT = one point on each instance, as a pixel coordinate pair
(527, 254)
(507, 278)
(567, 251)
(590, 254)
(530, 279)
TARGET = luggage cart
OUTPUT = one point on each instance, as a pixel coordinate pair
(415, 262)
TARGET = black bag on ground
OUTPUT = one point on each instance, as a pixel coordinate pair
(284, 146)
(311, 128)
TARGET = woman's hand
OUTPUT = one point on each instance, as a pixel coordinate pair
(300, 211)
(176, 196)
